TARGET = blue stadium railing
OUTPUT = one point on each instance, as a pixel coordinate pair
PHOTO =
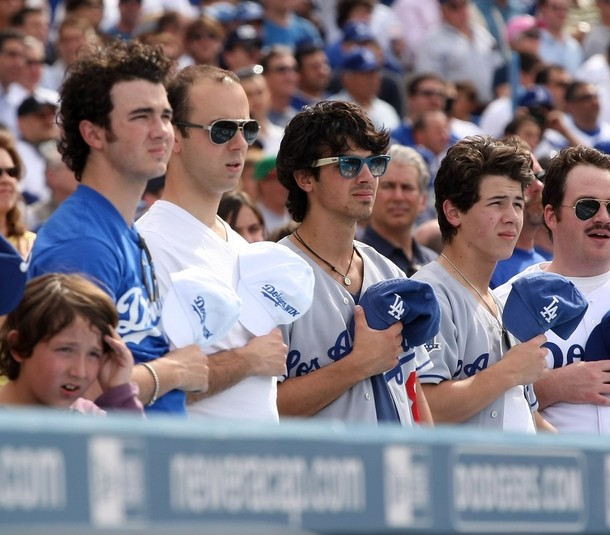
(74, 474)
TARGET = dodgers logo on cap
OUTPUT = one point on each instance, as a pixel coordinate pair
(540, 302)
(13, 276)
(199, 308)
(412, 302)
(275, 285)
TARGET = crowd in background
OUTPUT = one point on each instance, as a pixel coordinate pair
(430, 72)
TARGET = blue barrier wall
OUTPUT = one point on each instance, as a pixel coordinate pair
(74, 474)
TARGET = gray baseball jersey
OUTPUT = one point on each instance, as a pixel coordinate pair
(322, 337)
(470, 340)
(574, 417)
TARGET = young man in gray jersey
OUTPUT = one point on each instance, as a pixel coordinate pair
(479, 375)
(330, 159)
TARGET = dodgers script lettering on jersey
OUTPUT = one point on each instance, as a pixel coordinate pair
(343, 346)
(138, 317)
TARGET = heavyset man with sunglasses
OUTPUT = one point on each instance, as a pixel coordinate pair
(329, 160)
(574, 393)
(212, 132)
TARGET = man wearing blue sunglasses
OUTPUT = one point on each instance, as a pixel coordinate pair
(213, 130)
(330, 160)
(574, 394)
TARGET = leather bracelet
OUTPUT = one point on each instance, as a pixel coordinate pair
(155, 376)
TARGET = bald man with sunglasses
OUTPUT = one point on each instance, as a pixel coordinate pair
(213, 130)
(574, 392)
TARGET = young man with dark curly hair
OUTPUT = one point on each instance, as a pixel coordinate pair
(117, 135)
(330, 160)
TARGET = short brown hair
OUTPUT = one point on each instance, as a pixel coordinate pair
(50, 303)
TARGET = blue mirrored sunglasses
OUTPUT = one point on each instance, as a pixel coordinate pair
(350, 166)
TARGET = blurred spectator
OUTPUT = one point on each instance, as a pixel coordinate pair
(314, 75)
(501, 111)
(431, 134)
(171, 45)
(462, 107)
(152, 193)
(280, 71)
(203, 42)
(74, 36)
(523, 37)
(8, 8)
(271, 195)
(259, 100)
(11, 221)
(247, 182)
(173, 23)
(597, 40)
(37, 125)
(282, 26)
(34, 21)
(31, 76)
(130, 18)
(90, 10)
(417, 19)
(60, 181)
(556, 80)
(250, 12)
(12, 65)
(360, 34)
(460, 49)
(242, 48)
(582, 125)
(527, 128)
(401, 197)
(243, 216)
(596, 70)
(557, 45)
(425, 92)
(361, 81)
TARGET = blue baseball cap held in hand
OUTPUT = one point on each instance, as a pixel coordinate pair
(13, 276)
(412, 302)
(539, 302)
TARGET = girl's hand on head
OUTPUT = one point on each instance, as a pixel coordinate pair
(117, 364)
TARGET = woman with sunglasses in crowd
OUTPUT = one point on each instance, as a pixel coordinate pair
(12, 226)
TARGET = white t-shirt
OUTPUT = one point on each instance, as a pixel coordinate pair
(177, 240)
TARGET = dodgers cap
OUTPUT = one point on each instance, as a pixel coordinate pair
(537, 95)
(358, 32)
(360, 59)
(412, 302)
(539, 302)
(275, 285)
(199, 308)
(13, 276)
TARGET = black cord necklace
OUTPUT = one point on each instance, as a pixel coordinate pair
(346, 280)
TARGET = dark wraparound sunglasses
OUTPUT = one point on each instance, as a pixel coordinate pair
(350, 166)
(586, 208)
(224, 130)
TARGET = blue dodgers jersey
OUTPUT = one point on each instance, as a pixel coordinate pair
(87, 235)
